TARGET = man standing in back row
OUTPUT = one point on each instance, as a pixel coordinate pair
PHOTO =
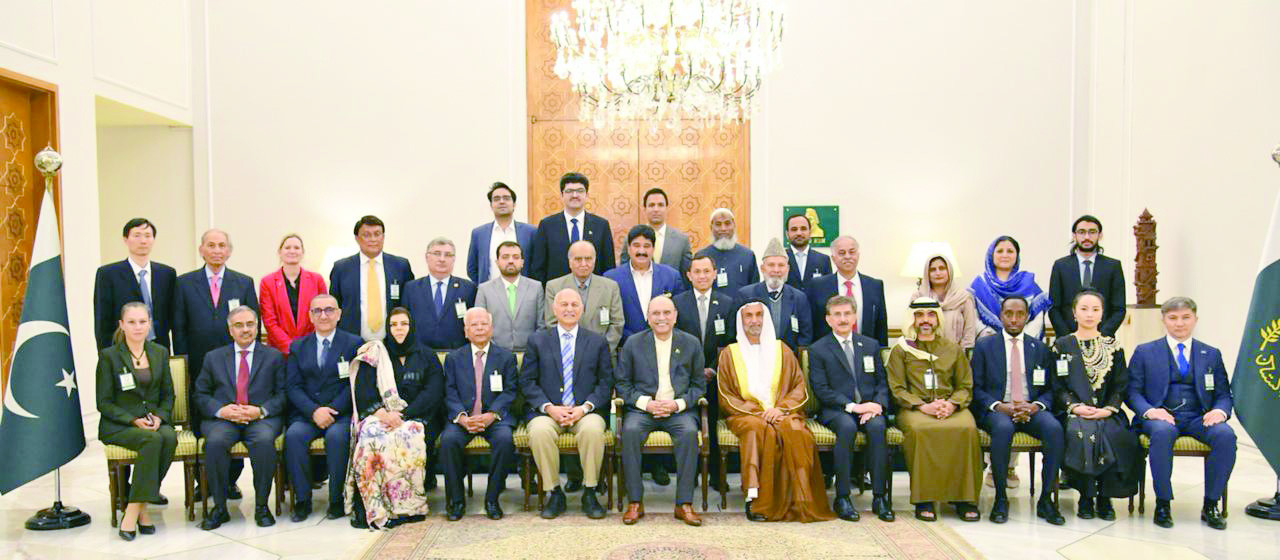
(1086, 268)
(735, 264)
(557, 231)
(367, 284)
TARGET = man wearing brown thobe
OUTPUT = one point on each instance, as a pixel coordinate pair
(762, 395)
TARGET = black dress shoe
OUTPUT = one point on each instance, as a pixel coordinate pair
(335, 511)
(591, 504)
(1163, 515)
(146, 529)
(233, 493)
(160, 501)
(753, 516)
(1048, 511)
(660, 476)
(1084, 508)
(882, 508)
(301, 511)
(844, 509)
(572, 486)
(217, 516)
(1105, 511)
(262, 516)
(128, 535)
(1212, 517)
(555, 504)
(492, 510)
(359, 522)
(455, 511)
(999, 511)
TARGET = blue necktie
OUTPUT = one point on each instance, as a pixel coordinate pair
(1088, 274)
(146, 298)
(566, 368)
(1184, 368)
(574, 236)
(324, 353)
(439, 298)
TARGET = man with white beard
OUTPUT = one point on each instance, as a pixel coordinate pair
(735, 264)
(789, 307)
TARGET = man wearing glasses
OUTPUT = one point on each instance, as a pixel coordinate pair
(1086, 268)
(549, 258)
(482, 260)
(368, 284)
(438, 301)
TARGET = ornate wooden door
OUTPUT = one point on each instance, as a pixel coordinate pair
(701, 169)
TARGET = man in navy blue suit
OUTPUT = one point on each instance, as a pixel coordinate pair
(368, 284)
(708, 314)
(1178, 386)
(317, 380)
(641, 279)
(804, 262)
(481, 382)
(1012, 393)
(438, 301)
(483, 250)
(848, 379)
(137, 278)
(792, 315)
(550, 256)
(866, 291)
(1086, 268)
(736, 264)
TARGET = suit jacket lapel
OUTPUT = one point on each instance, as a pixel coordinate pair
(848, 368)
(482, 243)
(1074, 267)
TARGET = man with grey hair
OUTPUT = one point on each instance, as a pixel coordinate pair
(438, 301)
(789, 307)
(1178, 387)
(735, 264)
(867, 292)
(368, 284)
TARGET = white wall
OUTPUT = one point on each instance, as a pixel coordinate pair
(146, 171)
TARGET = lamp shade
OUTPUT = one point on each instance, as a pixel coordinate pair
(921, 252)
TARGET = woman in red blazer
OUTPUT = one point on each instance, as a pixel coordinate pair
(285, 296)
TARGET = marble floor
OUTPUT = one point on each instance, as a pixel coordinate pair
(1022, 538)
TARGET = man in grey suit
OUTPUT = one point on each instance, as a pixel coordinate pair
(659, 377)
(601, 297)
(672, 245)
(514, 301)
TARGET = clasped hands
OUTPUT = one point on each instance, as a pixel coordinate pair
(661, 409)
(566, 416)
(391, 420)
(148, 422)
(1211, 418)
(1090, 412)
(476, 424)
(242, 413)
(1018, 411)
(938, 408)
(866, 411)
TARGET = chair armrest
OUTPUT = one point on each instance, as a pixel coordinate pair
(706, 430)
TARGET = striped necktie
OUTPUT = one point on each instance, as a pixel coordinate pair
(566, 369)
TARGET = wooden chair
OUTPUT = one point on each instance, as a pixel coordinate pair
(240, 451)
(660, 443)
(1184, 446)
(567, 444)
(1022, 443)
(119, 457)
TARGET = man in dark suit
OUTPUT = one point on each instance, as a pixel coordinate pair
(736, 264)
(203, 298)
(438, 301)
(566, 379)
(557, 231)
(317, 381)
(1178, 386)
(641, 279)
(240, 393)
(672, 246)
(848, 379)
(803, 262)
(868, 292)
(707, 314)
(789, 307)
(367, 304)
(1086, 268)
(1012, 392)
(137, 278)
(480, 383)
(485, 238)
(660, 379)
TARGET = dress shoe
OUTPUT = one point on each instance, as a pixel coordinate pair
(146, 529)
(1011, 481)
(262, 516)
(233, 493)
(1048, 511)
(685, 513)
(572, 486)
(301, 511)
(128, 535)
(430, 482)
(1105, 511)
(591, 505)
(335, 511)
(160, 501)
(844, 509)
(359, 522)
(1084, 508)
(1212, 517)
(660, 476)
(635, 510)
(999, 511)
(753, 516)
(1163, 515)
(555, 504)
(216, 517)
(456, 510)
(882, 508)
(492, 510)
(968, 512)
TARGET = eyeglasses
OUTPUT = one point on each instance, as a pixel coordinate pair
(575, 190)
(324, 311)
(440, 254)
(245, 325)
(1088, 231)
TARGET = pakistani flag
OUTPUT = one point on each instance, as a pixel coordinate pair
(1257, 380)
(40, 428)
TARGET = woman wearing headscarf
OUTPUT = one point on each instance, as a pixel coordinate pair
(938, 282)
(1001, 278)
(397, 386)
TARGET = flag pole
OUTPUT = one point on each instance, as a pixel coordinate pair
(48, 162)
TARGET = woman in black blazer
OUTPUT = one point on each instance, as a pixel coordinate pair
(135, 399)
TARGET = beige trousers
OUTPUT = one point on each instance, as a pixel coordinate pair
(589, 433)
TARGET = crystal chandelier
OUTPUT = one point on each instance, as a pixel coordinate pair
(667, 60)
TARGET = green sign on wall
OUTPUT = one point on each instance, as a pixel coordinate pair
(824, 223)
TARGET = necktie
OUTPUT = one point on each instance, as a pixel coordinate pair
(439, 298)
(242, 379)
(1184, 367)
(475, 408)
(1017, 376)
(801, 259)
(324, 353)
(574, 236)
(373, 298)
(1088, 274)
(774, 295)
(657, 248)
(702, 317)
(853, 367)
(848, 288)
(566, 368)
(146, 298)
(511, 299)
(214, 290)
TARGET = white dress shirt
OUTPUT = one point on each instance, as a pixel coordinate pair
(644, 286)
(496, 237)
(380, 272)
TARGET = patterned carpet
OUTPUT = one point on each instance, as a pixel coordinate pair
(659, 536)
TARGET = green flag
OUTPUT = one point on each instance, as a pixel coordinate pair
(41, 428)
(1256, 382)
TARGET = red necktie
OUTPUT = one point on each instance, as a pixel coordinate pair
(848, 291)
(475, 408)
(1018, 385)
(214, 290)
(242, 379)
